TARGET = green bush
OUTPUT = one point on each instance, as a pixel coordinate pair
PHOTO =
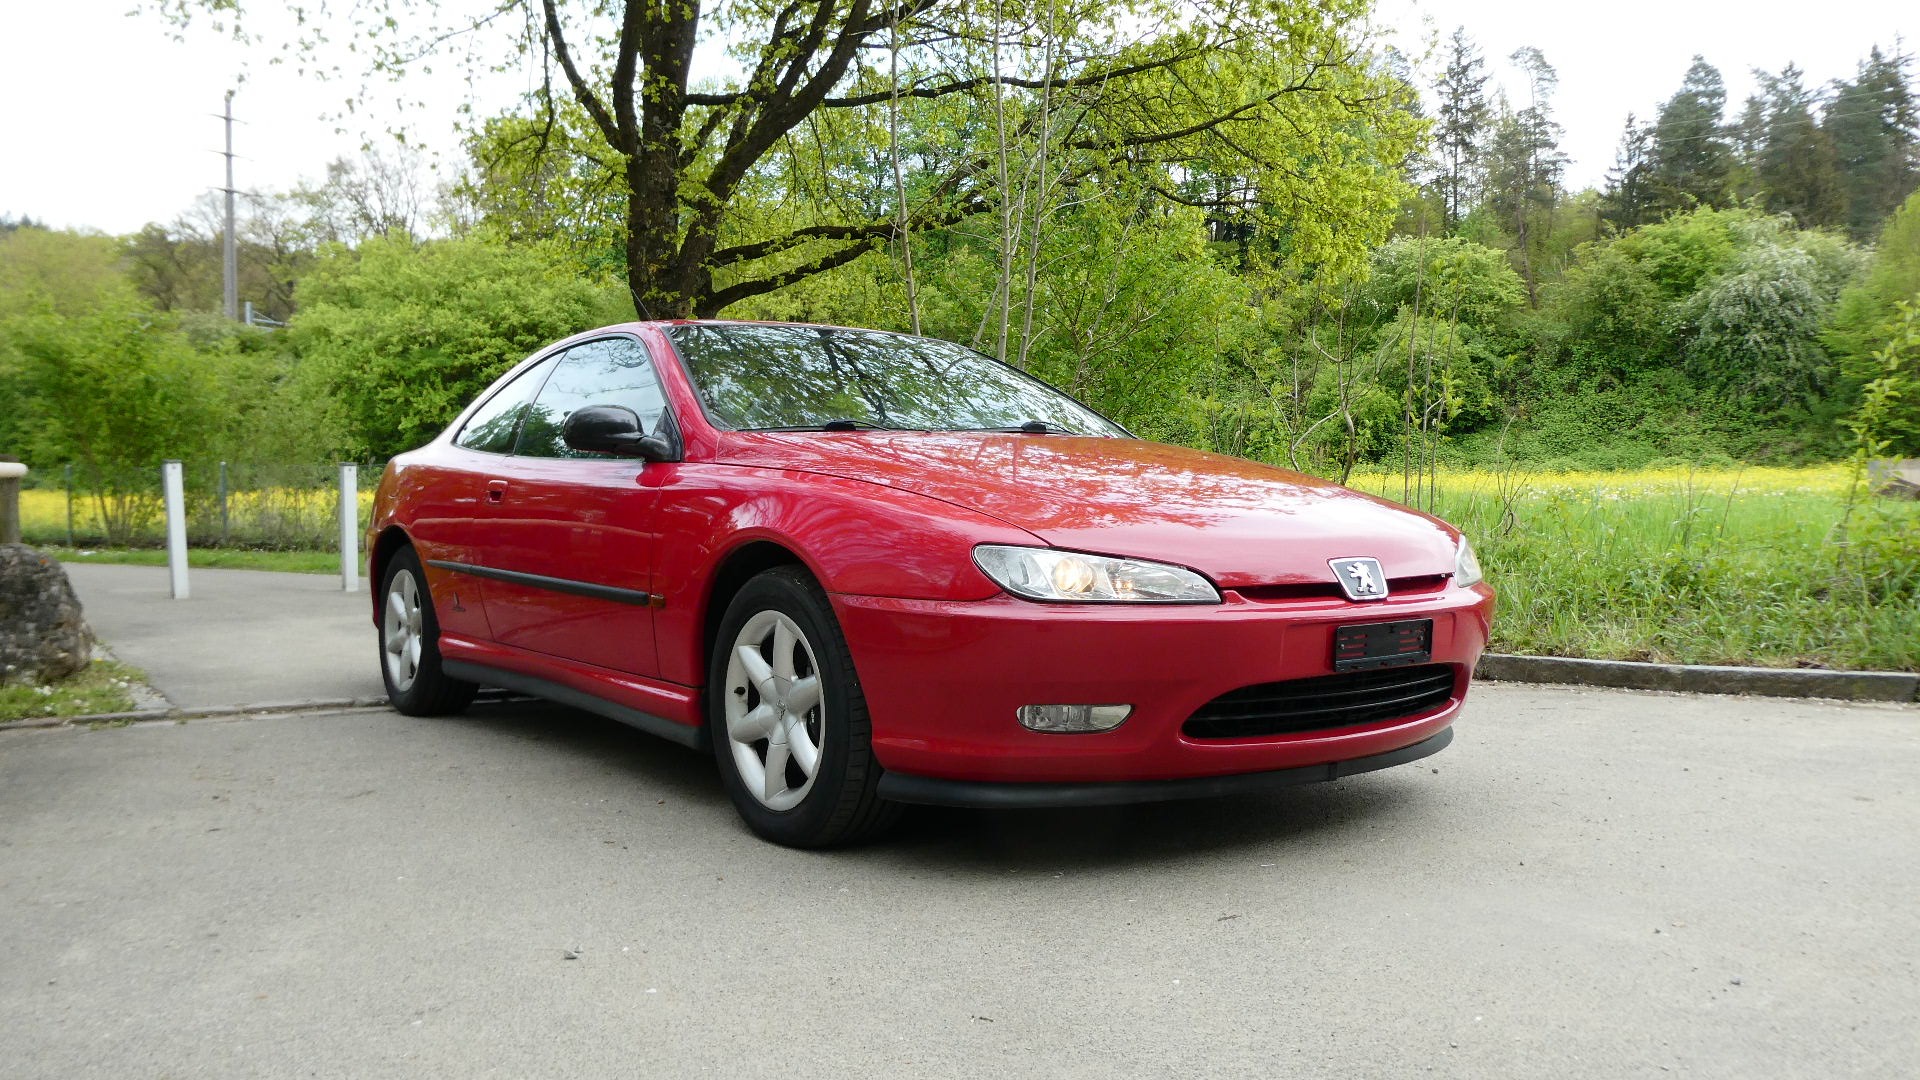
(399, 338)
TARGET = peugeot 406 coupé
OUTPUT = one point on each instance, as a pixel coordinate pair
(868, 569)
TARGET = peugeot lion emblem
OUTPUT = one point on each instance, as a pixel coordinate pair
(1360, 577)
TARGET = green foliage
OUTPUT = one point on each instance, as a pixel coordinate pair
(116, 391)
(400, 338)
(1887, 424)
(1611, 316)
(1860, 320)
(1454, 279)
(1754, 329)
(1717, 571)
(102, 687)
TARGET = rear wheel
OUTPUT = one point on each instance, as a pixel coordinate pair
(789, 721)
(410, 644)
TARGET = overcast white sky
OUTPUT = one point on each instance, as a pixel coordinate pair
(108, 121)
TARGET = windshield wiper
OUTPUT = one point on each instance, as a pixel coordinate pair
(840, 424)
(1029, 427)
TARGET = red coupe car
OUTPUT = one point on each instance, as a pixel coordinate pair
(868, 569)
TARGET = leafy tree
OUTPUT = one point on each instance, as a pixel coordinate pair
(1755, 329)
(401, 338)
(1860, 321)
(381, 193)
(92, 375)
(1445, 278)
(1611, 315)
(1735, 297)
(546, 180)
(1284, 94)
(1688, 159)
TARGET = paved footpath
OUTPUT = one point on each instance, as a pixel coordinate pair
(242, 637)
(1586, 884)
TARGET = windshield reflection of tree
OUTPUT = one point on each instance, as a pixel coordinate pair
(762, 377)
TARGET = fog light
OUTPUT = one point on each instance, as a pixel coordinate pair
(1074, 718)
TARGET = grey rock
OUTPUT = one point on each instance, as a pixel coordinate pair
(43, 637)
(1896, 479)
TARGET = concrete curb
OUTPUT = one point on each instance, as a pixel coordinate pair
(1702, 678)
(215, 712)
(204, 713)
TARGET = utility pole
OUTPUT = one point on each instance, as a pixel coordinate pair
(230, 261)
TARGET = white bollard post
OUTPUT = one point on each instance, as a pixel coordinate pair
(350, 528)
(172, 489)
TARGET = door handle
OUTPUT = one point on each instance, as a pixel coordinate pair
(496, 491)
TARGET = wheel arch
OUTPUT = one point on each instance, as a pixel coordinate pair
(390, 540)
(740, 566)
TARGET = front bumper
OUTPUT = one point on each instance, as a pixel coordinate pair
(943, 681)
(989, 795)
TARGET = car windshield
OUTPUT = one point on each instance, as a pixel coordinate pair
(772, 378)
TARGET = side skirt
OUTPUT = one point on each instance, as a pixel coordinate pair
(694, 738)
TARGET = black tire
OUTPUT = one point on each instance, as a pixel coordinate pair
(430, 691)
(842, 806)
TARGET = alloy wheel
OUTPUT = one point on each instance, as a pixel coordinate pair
(401, 632)
(774, 710)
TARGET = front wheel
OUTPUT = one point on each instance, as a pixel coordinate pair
(789, 722)
(410, 644)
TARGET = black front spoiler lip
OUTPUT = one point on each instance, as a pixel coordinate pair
(990, 795)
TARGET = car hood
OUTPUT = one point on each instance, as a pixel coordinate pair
(1239, 522)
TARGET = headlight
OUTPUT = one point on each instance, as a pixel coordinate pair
(1466, 565)
(1049, 574)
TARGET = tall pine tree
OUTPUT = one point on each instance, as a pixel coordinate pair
(1626, 201)
(1523, 168)
(1795, 167)
(1689, 162)
(1876, 137)
(1462, 123)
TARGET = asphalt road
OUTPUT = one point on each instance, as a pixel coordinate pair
(242, 637)
(1586, 884)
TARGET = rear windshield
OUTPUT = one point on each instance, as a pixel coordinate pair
(761, 378)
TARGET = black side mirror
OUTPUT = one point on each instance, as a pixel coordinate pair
(611, 429)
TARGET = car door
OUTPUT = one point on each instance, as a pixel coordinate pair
(568, 546)
(449, 500)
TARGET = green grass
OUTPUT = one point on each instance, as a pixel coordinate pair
(103, 687)
(296, 562)
(1727, 567)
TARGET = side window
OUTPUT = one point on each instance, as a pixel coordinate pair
(611, 371)
(492, 427)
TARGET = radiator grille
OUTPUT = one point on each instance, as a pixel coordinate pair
(1325, 701)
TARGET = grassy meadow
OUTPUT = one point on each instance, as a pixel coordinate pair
(1735, 566)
